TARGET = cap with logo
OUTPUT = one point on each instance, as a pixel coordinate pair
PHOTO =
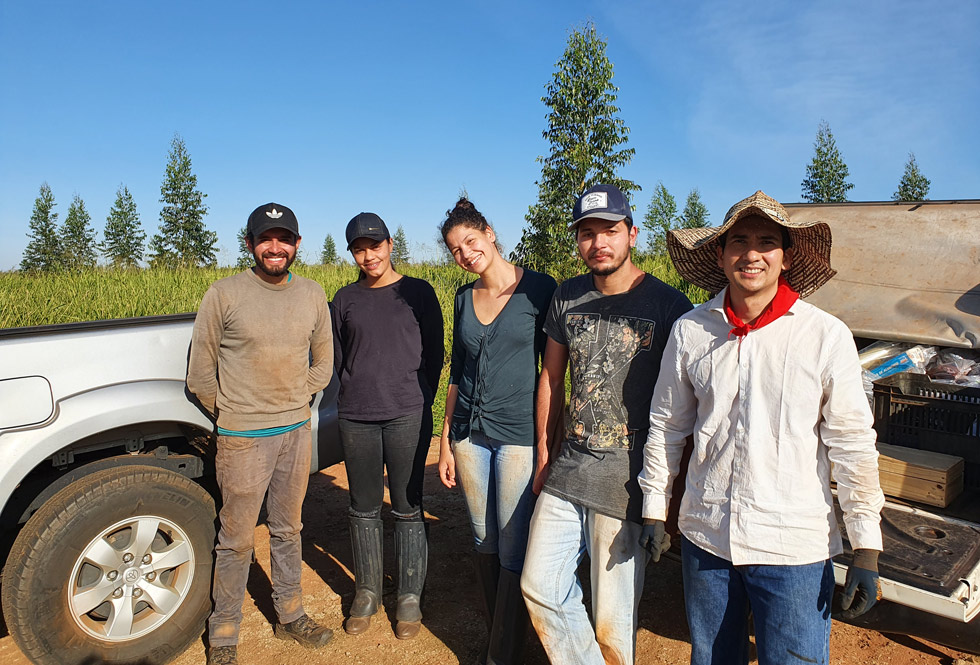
(271, 216)
(366, 225)
(601, 202)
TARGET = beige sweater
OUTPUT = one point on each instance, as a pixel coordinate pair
(260, 351)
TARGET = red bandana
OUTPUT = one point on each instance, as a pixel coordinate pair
(785, 297)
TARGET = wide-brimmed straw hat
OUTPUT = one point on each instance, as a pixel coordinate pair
(693, 250)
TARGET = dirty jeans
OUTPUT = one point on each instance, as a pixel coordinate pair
(561, 533)
(496, 481)
(248, 468)
(790, 610)
(400, 445)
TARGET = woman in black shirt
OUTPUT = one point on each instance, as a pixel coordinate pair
(487, 441)
(388, 349)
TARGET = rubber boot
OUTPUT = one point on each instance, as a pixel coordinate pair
(411, 556)
(508, 638)
(365, 536)
(487, 569)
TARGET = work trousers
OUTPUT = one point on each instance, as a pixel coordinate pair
(248, 470)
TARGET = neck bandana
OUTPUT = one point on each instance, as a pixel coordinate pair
(785, 297)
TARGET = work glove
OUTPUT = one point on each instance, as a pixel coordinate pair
(861, 586)
(654, 538)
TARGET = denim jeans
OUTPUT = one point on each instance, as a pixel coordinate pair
(246, 470)
(790, 608)
(400, 445)
(561, 533)
(496, 481)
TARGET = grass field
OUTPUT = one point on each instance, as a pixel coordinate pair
(102, 293)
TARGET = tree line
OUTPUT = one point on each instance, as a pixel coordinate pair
(588, 145)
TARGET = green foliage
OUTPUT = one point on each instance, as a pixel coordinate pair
(399, 248)
(660, 218)
(245, 257)
(43, 251)
(695, 215)
(328, 256)
(122, 245)
(826, 174)
(183, 240)
(913, 186)
(77, 237)
(585, 135)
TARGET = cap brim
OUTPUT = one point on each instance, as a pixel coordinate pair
(604, 216)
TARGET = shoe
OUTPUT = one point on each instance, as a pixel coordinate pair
(223, 656)
(304, 630)
(365, 535)
(508, 638)
(411, 556)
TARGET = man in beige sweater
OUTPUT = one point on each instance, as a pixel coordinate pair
(262, 346)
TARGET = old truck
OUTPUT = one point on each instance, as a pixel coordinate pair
(106, 490)
(910, 272)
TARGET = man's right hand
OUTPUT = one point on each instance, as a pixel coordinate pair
(447, 464)
(654, 538)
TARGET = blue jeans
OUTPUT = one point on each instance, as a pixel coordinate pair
(561, 533)
(790, 607)
(496, 481)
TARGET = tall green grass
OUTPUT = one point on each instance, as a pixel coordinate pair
(104, 293)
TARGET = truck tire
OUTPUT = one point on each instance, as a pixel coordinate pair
(114, 568)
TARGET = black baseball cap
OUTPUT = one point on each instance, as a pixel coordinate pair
(366, 225)
(601, 202)
(271, 216)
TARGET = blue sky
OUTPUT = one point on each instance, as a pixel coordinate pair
(334, 108)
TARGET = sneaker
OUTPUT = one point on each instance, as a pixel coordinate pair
(304, 630)
(223, 656)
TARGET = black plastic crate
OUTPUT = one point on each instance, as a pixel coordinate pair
(910, 410)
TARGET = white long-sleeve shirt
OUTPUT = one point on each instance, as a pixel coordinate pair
(768, 414)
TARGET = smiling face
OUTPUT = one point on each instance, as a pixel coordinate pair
(604, 245)
(472, 249)
(274, 251)
(373, 257)
(753, 257)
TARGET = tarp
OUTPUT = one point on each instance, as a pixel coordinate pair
(906, 272)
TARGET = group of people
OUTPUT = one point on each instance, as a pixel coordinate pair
(759, 390)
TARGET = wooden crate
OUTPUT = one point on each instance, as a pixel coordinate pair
(919, 475)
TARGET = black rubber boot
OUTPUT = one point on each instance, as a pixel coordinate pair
(487, 569)
(411, 556)
(365, 536)
(508, 638)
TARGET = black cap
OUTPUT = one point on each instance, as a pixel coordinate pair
(271, 216)
(366, 225)
(601, 202)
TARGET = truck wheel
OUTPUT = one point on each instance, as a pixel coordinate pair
(114, 568)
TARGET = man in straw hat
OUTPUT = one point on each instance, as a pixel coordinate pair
(770, 388)
(612, 323)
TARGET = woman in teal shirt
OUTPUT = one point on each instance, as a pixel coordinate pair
(487, 442)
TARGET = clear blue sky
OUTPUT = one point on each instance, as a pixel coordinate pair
(335, 108)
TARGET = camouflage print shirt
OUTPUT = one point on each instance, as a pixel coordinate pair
(614, 348)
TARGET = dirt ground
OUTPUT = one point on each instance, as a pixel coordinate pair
(453, 629)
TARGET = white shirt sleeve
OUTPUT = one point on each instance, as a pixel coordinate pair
(673, 411)
(846, 430)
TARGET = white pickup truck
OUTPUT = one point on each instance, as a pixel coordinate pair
(106, 463)
(106, 490)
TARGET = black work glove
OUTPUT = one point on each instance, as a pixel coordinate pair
(861, 586)
(654, 539)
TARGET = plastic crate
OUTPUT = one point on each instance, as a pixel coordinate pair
(910, 410)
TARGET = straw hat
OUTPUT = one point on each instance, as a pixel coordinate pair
(693, 250)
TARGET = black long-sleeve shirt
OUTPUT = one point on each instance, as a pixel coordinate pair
(388, 350)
